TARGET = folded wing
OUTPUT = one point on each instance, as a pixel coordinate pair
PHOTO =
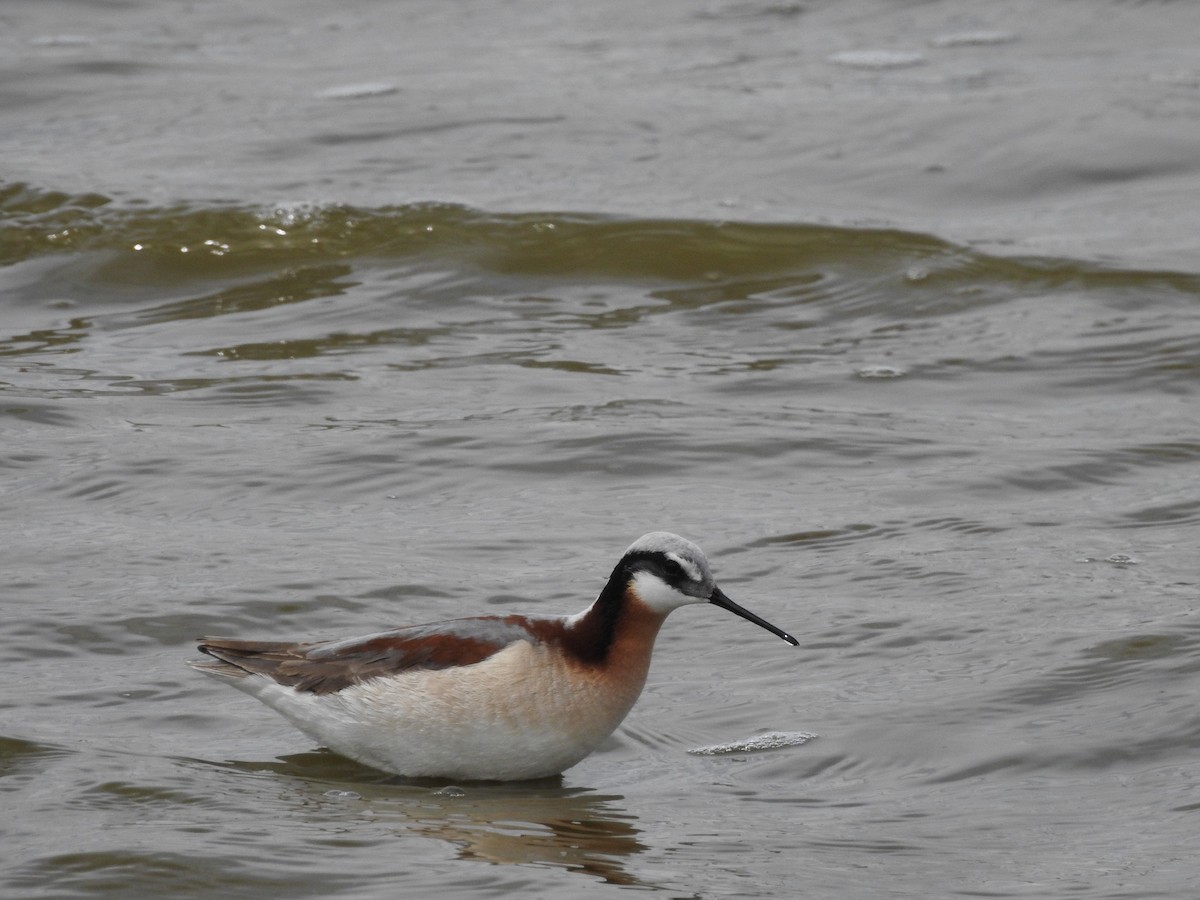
(325, 667)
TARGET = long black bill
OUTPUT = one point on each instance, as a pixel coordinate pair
(718, 598)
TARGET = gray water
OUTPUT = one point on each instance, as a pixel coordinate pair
(315, 320)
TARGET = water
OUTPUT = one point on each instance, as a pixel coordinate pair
(313, 322)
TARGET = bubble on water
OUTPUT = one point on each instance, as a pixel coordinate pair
(771, 740)
(343, 795)
(877, 59)
(357, 91)
(1117, 559)
(450, 790)
(879, 372)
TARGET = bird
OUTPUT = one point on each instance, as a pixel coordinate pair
(487, 698)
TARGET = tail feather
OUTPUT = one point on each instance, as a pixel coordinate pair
(232, 658)
(284, 662)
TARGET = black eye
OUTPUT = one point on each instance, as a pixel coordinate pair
(674, 570)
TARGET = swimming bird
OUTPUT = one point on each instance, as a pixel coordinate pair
(501, 698)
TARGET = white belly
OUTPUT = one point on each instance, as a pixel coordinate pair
(523, 713)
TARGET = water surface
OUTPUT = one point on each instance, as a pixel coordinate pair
(314, 322)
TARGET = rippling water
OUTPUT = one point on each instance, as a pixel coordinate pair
(967, 482)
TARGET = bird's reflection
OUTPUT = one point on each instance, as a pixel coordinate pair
(530, 823)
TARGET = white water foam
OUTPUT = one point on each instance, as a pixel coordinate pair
(771, 740)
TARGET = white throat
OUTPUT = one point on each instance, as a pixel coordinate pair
(658, 595)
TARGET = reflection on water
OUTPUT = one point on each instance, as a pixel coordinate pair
(538, 823)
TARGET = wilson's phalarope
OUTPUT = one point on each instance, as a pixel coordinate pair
(490, 698)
